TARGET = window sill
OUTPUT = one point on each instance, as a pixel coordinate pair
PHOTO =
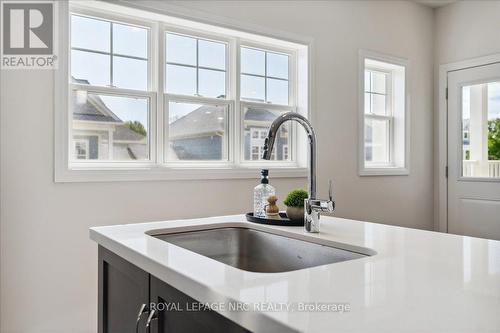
(151, 173)
(384, 171)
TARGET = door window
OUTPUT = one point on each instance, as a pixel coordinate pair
(480, 135)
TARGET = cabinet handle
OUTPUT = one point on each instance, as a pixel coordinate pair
(152, 316)
(143, 309)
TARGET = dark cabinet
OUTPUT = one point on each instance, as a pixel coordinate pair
(188, 315)
(124, 289)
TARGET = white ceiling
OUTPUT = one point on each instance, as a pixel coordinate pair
(435, 3)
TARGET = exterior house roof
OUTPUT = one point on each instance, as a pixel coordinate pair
(89, 112)
(206, 120)
(123, 133)
(94, 109)
(209, 120)
(259, 115)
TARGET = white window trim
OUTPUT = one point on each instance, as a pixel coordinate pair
(138, 171)
(386, 170)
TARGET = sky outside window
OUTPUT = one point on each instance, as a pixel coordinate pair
(195, 67)
(98, 60)
(264, 76)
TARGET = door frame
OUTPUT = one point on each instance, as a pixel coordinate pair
(441, 204)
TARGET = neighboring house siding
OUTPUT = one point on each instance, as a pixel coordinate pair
(93, 147)
(198, 134)
(278, 146)
(247, 145)
(280, 142)
(201, 148)
(210, 147)
(130, 151)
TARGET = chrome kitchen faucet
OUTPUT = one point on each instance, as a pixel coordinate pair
(312, 205)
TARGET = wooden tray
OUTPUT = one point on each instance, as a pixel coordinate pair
(284, 221)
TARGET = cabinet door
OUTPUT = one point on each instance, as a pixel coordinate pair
(170, 320)
(123, 288)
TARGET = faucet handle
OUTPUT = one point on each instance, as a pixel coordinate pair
(323, 205)
(331, 203)
(330, 190)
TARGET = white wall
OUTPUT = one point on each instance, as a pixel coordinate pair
(339, 29)
(463, 30)
(48, 265)
(467, 29)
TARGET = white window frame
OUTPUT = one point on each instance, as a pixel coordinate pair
(227, 102)
(148, 94)
(156, 168)
(399, 131)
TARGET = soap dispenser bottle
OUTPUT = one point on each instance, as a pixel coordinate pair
(260, 194)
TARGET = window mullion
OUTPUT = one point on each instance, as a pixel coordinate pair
(90, 51)
(268, 106)
(197, 68)
(111, 79)
(370, 94)
(390, 93)
(156, 82)
(265, 77)
(369, 85)
(391, 140)
(235, 76)
(390, 111)
(376, 93)
(197, 99)
(111, 90)
(378, 116)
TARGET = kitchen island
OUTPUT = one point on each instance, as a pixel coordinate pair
(406, 280)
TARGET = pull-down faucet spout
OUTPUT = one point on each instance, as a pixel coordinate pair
(312, 205)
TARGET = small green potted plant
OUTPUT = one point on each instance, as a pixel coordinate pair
(295, 204)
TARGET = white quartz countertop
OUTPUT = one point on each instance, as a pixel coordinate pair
(418, 281)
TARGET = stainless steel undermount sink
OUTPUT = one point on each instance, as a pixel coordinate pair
(258, 251)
